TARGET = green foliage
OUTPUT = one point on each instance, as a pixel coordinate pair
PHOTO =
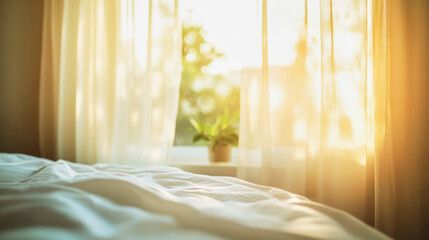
(204, 104)
(195, 44)
(222, 132)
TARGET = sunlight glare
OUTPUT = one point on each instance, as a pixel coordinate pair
(223, 89)
(276, 97)
(300, 130)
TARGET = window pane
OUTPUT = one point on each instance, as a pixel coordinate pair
(212, 60)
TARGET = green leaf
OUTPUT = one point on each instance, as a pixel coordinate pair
(207, 128)
(214, 130)
(231, 139)
(229, 130)
(197, 125)
(200, 136)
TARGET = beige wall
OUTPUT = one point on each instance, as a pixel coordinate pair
(20, 48)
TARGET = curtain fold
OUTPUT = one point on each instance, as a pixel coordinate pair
(110, 80)
(48, 102)
(401, 164)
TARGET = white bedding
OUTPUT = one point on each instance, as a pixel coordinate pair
(41, 199)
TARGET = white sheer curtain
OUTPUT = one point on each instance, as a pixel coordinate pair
(336, 107)
(306, 113)
(110, 79)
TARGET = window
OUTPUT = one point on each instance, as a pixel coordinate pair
(222, 46)
(211, 62)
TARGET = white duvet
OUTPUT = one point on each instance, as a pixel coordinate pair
(41, 199)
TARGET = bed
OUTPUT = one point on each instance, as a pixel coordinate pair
(43, 199)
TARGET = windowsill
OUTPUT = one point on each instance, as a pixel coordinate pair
(196, 160)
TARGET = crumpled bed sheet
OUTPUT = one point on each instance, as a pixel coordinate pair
(42, 199)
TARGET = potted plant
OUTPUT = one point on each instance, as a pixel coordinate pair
(220, 136)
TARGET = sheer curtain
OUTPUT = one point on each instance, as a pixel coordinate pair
(337, 108)
(401, 86)
(110, 79)
(305, 111)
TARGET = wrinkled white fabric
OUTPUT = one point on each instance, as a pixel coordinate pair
(41, 199)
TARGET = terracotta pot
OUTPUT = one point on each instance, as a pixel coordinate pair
(222, 153)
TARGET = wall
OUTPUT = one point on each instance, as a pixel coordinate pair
(20, 49)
